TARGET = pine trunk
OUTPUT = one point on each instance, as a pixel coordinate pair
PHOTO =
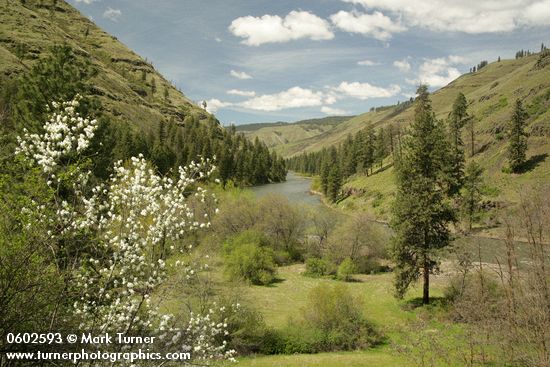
(426, 293)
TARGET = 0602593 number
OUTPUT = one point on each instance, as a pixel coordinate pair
(34, 338)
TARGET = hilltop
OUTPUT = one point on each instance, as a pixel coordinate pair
(490, 93)
(278, 134)
(127, 85)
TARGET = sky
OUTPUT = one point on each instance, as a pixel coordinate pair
(279, 60)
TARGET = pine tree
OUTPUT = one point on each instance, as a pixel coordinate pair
(421, 213)
(325, 171)
(153, 86)
(380, 147)
(471, 195)
(517, 138)
(455, 166)
(334, 183)
(369, 149)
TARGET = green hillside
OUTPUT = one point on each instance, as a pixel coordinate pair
(280, 134)
(128, 87)
(491, 94)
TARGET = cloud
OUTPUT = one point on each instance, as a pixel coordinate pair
(274, 29)
(112, 14)
(242, 93)
(367, 63)
(402, 65)
(212, 105)
(294, 97)
(375, 25)
(86, 1)
(469, 16)
(333, 111)
(298, 97)
(365, 91)
(438, 72)
(240, 74)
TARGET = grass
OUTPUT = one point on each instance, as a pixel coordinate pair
(375, 357)
(285, 299)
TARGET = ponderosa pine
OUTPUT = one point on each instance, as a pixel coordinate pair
(421, 213)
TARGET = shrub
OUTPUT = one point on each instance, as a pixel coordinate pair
(346, 270)
(246, 327)
(247, 259)
(316, 267)
(338, 316)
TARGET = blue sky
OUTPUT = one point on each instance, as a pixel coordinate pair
(279, 60)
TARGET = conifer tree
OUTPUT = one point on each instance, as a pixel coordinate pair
(369, 149)
(421, 213)
(517, 138)
(334, 183)
(472, 192)
(455, 166)
(325, 171)
(380, 147)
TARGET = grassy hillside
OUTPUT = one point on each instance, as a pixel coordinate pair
(125, 81)
(491, 93)
(278, 134)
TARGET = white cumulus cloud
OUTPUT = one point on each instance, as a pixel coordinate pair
(333, 111)
(376, 25)
(438, 72)
(86, 1)
(469, 16)
(402, 65)
(294, 97)
(242, 93)
(273, 29)
(240, 74)
(112, 14)
(213, 105)
(365, 91)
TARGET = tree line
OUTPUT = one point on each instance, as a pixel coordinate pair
(363, 153)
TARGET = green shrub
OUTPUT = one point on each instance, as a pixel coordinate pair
(249, 261)
(338, 315)
(316, 267)
(346, 270)
(246, 327)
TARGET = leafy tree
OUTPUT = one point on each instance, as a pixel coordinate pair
(421, 213)
(517, 138)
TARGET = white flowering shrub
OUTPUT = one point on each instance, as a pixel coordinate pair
(65, 133)
(134, 223)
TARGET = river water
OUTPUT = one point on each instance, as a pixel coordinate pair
(295, 189)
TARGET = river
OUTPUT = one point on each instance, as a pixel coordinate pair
(295, 189)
